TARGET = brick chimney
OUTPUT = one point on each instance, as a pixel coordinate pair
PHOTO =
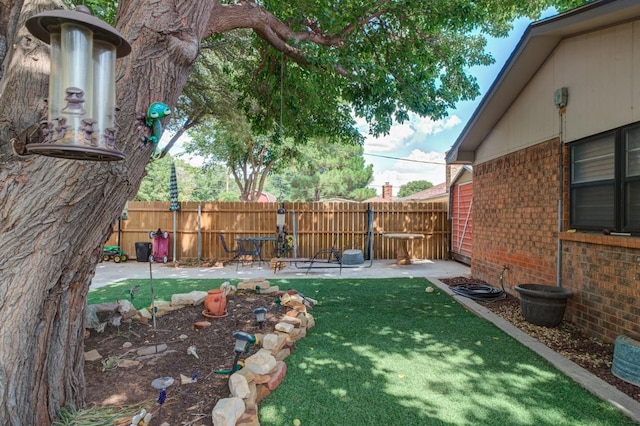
(452, 171)
(387, 191)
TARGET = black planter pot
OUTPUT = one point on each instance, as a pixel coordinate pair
(543, 304)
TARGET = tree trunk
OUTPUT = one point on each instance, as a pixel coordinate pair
(56, 214)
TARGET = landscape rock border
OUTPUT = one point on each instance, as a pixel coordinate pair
(262, 372)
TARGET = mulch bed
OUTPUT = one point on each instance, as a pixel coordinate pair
(184, 404)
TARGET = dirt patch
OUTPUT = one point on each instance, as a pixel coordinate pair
(589, 353)
(185, 403)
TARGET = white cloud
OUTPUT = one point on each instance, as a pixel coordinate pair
(430, 127)
(391, 142)
(420, 167)
(412, 132)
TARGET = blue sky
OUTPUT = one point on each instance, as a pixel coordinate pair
(422, 140)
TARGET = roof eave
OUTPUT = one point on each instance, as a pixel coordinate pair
(533, 49)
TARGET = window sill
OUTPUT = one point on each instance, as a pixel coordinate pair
(606, 240)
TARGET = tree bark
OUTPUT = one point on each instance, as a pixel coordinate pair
(56, 214)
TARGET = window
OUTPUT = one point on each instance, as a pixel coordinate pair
(605, 181)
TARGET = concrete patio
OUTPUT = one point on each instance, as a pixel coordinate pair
(110, 272)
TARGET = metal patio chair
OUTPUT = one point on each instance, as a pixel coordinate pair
(248, 252)
(235, 253)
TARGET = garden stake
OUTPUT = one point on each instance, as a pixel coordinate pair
(194, 378)
(161, 397)
(153, 304)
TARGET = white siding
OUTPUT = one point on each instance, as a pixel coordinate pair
(602, 72)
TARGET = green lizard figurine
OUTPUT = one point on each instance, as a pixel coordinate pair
(156, 112)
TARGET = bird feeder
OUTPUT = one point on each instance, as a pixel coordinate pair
(280, 215)
(81, 121)
(281, 231)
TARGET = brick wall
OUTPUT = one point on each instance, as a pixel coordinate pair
(515, 217)
(515, 225)
(604, 275)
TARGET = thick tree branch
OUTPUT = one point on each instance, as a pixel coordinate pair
(277, 33)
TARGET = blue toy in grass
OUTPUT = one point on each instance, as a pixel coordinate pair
(156, 112)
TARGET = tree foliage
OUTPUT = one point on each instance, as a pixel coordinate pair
(194, 183)
(209, 94)
(413, 187)
(326, 170)
(249, 158)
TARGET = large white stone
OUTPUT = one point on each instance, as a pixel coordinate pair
(291, 299)
(284, 327)
(92, 355)
(262, 362)
(227, 411)
(311, 322)
(145, 313)
(238, 385)
(270, 341)
(193, 298)
(290, 320)
(270, 290)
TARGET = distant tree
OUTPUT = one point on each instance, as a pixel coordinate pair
(250, 158)
(194, 183)
(228, 196)
(329, 170)
(413, 187)
(362, 194)
(279, 185)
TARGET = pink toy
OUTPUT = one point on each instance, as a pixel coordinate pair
(160, 245)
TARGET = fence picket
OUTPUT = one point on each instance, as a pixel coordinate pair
(317, 224)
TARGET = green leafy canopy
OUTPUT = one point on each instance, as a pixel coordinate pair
(309, 66)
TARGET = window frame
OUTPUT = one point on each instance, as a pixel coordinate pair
(621, 223)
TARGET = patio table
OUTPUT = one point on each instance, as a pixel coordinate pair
(253, 245)
(402, 253)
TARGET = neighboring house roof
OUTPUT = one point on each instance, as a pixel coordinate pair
(427, 194)
(533, 49)
(265, 197)
(378, 199)
(338, 200)
(465, 169)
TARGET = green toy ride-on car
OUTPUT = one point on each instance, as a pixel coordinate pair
(115, 253)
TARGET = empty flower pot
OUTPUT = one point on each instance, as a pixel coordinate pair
(215, 304)
(543, 304)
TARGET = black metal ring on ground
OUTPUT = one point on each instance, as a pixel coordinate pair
(480, 292)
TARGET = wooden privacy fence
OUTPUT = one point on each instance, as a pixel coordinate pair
(315, 224)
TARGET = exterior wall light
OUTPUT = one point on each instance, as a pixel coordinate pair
(81, 121)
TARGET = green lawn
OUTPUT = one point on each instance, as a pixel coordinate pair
(385, 352)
